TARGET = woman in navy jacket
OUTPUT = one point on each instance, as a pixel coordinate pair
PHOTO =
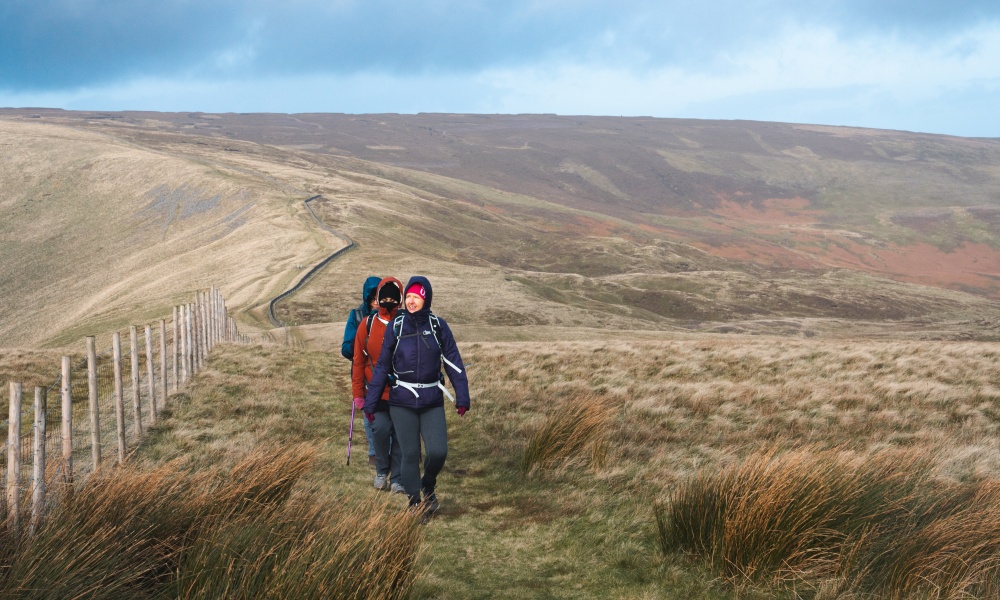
(415, 350)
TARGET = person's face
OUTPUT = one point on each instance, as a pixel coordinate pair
(414, 302)
(373, 304)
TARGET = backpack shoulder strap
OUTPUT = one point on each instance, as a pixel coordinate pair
(397, 329)
(368, 324)
(436, 328)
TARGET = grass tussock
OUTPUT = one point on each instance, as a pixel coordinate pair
(878, 526)
(134, 532)
(578, 431)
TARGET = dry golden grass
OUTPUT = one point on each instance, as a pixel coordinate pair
(828, 450)
(851, 526)
(252, 532)
(577, 431)
(708, 402)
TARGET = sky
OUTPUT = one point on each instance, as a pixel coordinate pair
(918, 65)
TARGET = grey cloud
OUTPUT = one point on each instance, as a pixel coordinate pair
(66, 43)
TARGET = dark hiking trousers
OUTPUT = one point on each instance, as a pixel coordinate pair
(413, 425)
(387, 455)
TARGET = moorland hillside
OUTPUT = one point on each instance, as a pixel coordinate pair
(97, 231)
(557, 225)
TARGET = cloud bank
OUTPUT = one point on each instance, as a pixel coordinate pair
(924, 66)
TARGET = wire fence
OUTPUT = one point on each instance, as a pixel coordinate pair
(96, 409)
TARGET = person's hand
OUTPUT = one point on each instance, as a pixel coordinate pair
(370, 417)
(359, 403)
(461, 410)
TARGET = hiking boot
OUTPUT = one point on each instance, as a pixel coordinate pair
(430, 503)
(397, 488)
(419, 511)
(380, 481)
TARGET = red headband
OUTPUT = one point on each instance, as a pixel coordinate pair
(417, 289)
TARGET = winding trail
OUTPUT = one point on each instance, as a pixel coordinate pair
(313, 271)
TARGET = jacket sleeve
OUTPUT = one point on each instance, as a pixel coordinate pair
(458, 377)
(350, 331)
(359, 362)
(380, 378)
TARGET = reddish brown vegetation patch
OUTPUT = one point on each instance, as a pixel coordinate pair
(775, 211)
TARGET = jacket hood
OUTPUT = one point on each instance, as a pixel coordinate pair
(371, 284)
(427, 286)
(382, 312)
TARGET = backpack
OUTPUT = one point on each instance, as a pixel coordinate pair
(368, 333)
(397, 328)
(354, 319)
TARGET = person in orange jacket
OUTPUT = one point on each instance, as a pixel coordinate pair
(367, 348)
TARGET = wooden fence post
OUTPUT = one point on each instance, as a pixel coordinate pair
(196, 337)
(209, 343)
(14, 459)
(94, 398)
(67, 423)
(116, 342)
(192, 340)
(38, 477)
(150, 375)
(213, 309)
(206, 345)
(176, 347)
(163, 360)
(208, 322)
(219, 319)
(136, 406)
(185, 343)
(202, 331)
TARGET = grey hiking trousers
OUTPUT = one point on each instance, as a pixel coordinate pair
(412, 426)
(387, 455)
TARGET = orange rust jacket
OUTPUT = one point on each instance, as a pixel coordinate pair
(367, 347)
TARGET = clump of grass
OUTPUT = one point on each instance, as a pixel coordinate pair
(577, 431)
(948, 547)
(879, 526)
(307, 549)
(131, 532)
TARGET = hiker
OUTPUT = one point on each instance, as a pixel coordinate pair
(367, 348)
(354, 318)
(416, 348)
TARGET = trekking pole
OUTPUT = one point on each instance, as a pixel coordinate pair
(350, 435)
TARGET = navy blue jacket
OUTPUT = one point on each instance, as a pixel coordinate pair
(418, 359)
(356, 316)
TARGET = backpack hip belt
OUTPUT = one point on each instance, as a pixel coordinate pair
(413, 387)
